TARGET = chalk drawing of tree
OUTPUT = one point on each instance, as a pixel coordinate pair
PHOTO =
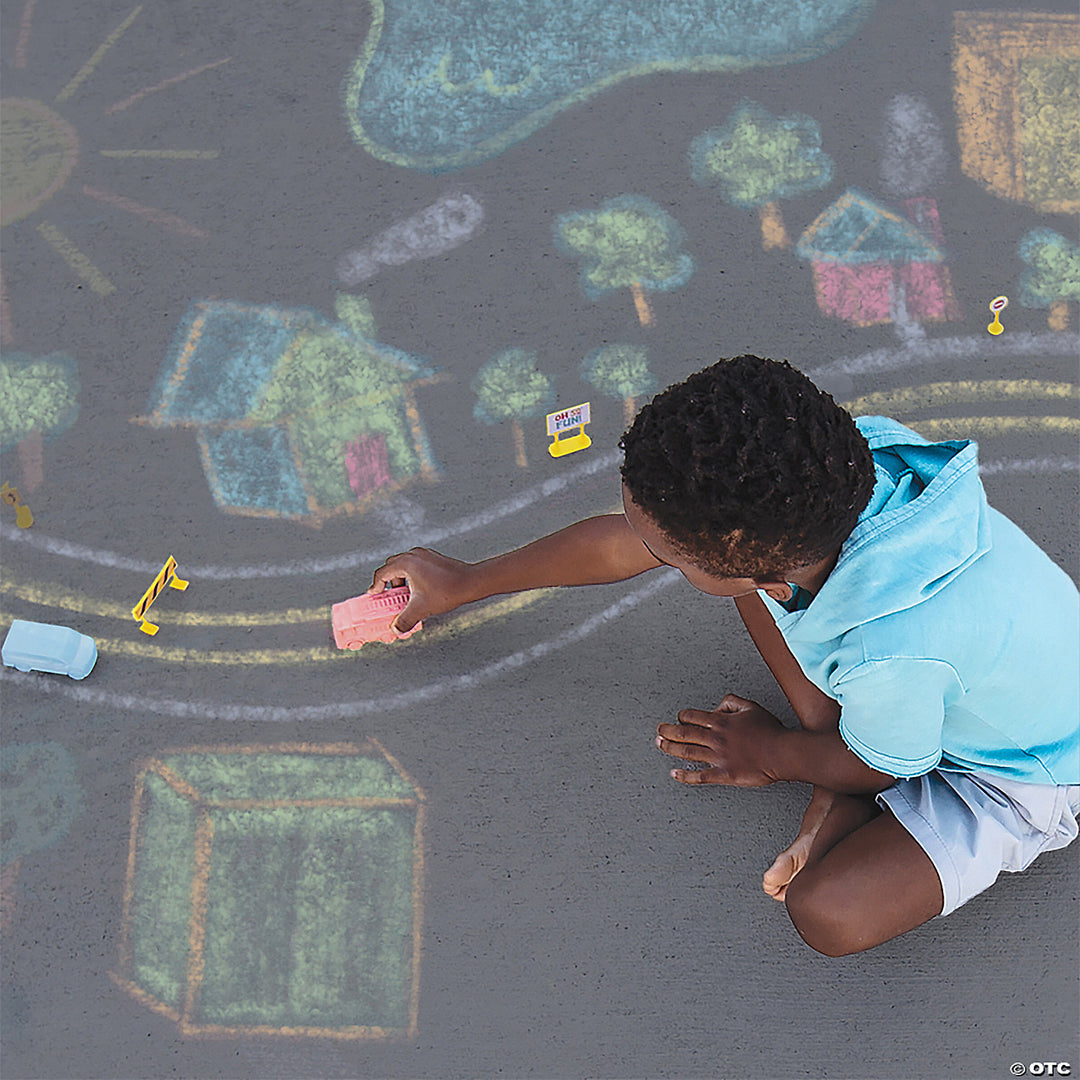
(620, 371)
(756, 159)
(40, 796)
(509, 387)
(1052, 276)
(629, 243)
(38, 397)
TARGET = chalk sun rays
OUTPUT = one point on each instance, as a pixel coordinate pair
(41, 151)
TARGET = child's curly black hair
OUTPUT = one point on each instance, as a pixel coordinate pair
(748, 468)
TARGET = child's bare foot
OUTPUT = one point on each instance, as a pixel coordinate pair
(828, 819)
(793, 858)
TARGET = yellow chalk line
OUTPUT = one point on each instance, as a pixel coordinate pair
(909, 398)
(318, 654)
(88, 68)
(78, 262)
(980, 426)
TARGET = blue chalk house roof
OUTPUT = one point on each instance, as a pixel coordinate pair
(857, 229)
(251, 380)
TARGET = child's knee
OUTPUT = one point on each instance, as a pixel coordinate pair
(822, 914)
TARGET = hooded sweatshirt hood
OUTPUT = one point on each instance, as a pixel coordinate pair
(926, 522)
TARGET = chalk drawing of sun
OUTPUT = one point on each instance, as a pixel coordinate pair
(41, 149)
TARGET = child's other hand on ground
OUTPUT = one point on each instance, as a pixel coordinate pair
(733, 743)
(437, 584)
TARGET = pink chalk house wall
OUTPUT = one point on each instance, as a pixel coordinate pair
(862, 253)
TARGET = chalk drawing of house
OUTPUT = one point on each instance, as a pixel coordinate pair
(296, 415)
(873, 265)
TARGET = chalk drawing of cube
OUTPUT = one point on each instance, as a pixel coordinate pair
(276, 890)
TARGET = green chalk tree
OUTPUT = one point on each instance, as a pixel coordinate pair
(756, 159)
(620, 371)
(1052, 276)
(38, 398)
(629, 243)
(509, 387)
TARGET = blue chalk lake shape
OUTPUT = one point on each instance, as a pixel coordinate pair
(440, 85)
(59, 650)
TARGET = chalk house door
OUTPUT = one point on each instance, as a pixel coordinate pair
(367, 464)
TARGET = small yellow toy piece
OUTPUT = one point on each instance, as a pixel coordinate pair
(166, 577)
(997, 306)
(23, 517)
(559, 422)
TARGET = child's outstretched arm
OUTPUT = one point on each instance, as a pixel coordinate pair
(595, 551)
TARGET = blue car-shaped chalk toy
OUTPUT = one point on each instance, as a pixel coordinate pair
(35, 646)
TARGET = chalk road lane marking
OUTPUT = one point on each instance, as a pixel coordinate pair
(353, 560)
(450, 628)
(344, 710)
(935, 350)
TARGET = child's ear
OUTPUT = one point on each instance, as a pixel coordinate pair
(780, 591)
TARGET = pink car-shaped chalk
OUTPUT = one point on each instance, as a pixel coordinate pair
(370, 618)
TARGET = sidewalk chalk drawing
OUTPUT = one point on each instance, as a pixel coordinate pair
(41, 152)
(1051, 276)
(914, 160)
(511, 387)
(296, 416)
(756, 159)
(1015, 78)
(620, 371)
(440, 86)
(39, 399)
(276, 890)
(40, 799)
(872, 265)
(444, 225)
(630, 242)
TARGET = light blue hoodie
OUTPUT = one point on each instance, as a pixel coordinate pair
(950, 639)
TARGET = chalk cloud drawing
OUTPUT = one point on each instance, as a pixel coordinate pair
(444, 225)
(39, 399)
(620, 371)
(1015, 78)
(872, 265)
(756, 159)
(509, 387)
(296, 416)
(629, 243)
(276, 890)
(42, 149)
(440, 86)
(1051, 278)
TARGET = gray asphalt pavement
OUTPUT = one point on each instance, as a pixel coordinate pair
(288, 288)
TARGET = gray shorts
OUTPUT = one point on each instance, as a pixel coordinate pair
(972, 827)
